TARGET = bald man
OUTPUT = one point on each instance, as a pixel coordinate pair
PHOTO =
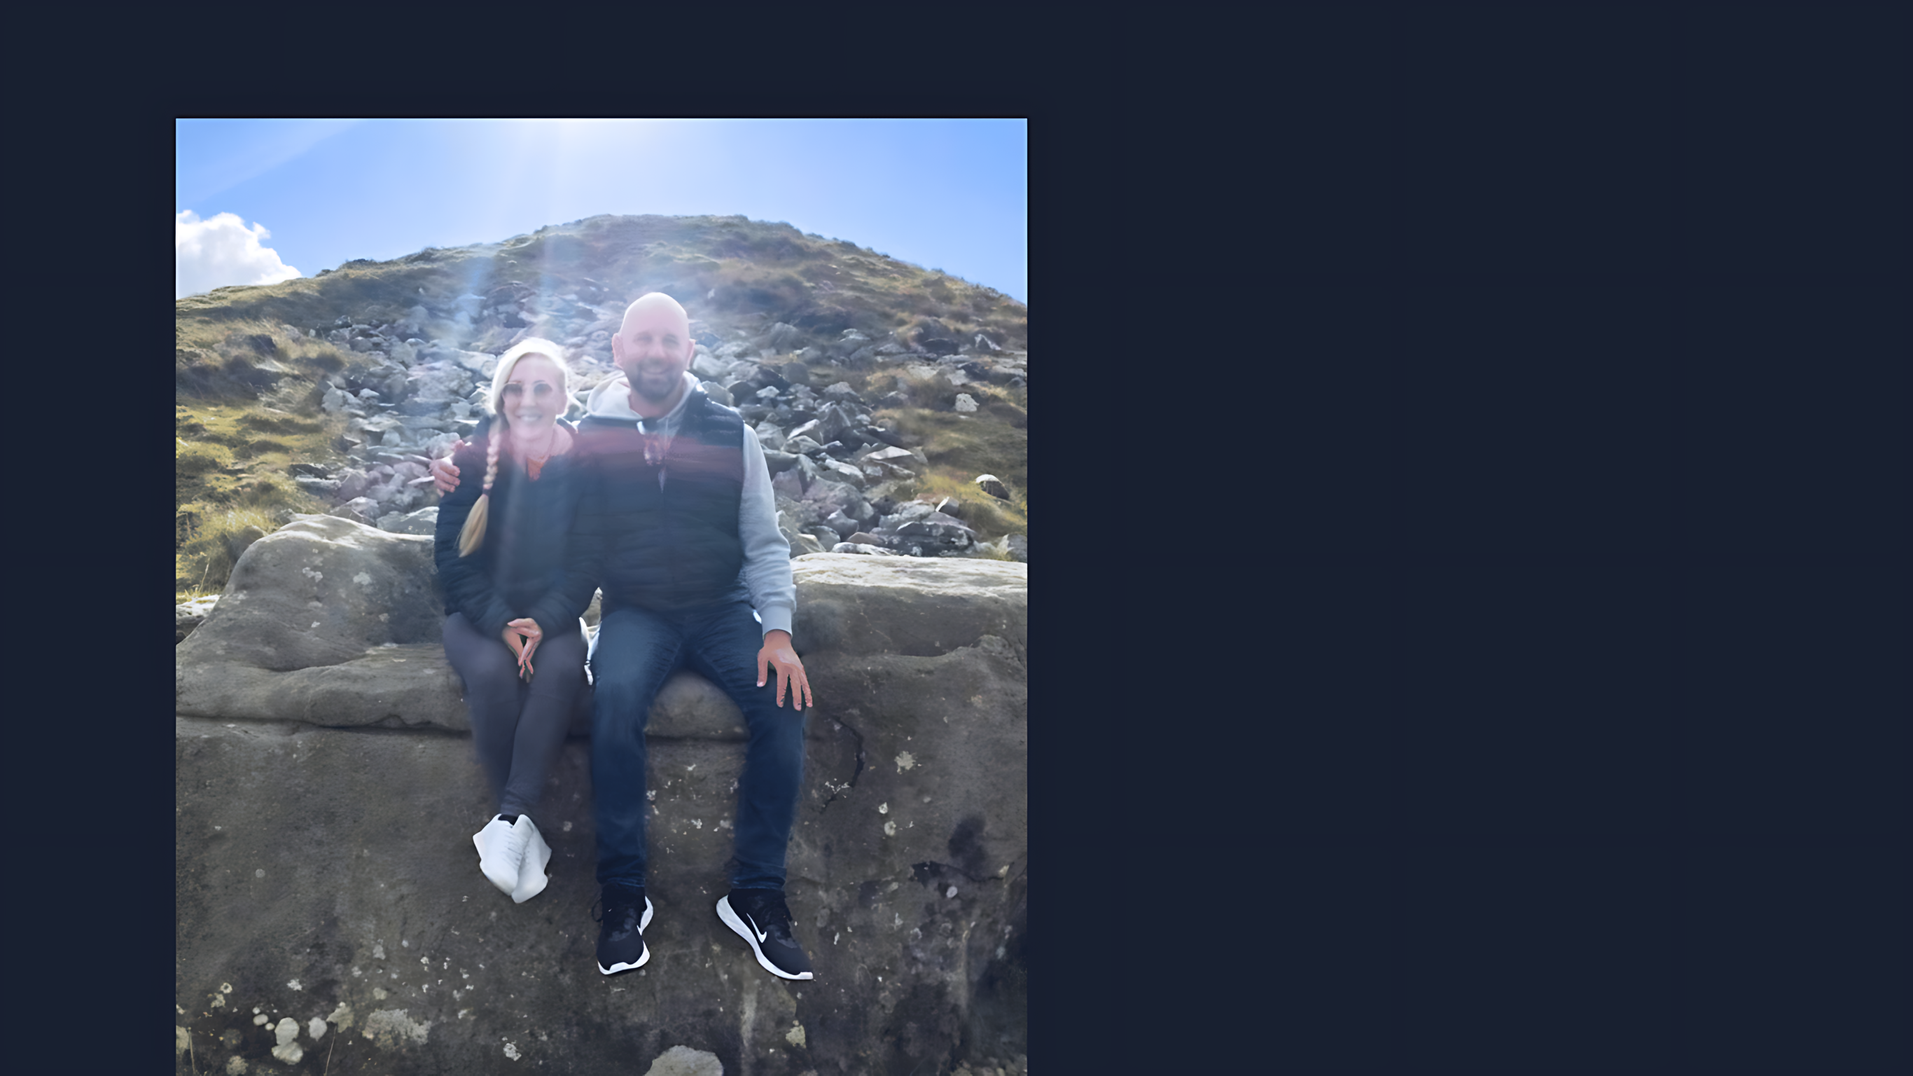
(678, 525)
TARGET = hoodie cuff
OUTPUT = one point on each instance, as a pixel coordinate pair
(776, 618)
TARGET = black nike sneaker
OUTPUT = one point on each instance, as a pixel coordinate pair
(621, 929)
(762, 919)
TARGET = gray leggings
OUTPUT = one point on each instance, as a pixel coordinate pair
(517, 727)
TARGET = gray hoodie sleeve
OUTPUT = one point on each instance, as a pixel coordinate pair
(766, 552)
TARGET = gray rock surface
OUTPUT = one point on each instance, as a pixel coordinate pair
(326, 621)
(908, 605)
(189, 615)
(684, 1061)
(423, 521)
(325, 875)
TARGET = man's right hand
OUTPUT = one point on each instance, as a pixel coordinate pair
(444, 473)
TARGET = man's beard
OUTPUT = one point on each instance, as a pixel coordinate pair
(670, 386)
(664, 391)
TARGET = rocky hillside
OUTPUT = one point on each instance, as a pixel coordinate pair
(891, 400)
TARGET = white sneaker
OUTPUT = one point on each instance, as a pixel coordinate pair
(501, 852)
(531, 875)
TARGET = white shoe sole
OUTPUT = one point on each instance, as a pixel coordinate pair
(531, 876)
(736, 923)
(642, 956)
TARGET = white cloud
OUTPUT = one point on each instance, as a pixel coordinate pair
(213, 253)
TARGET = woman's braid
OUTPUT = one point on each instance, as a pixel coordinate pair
(473, 534)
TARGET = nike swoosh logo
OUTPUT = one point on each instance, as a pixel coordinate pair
(760, 934)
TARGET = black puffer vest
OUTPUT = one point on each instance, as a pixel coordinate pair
(677, 547)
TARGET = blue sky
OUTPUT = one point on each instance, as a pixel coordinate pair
(265, 200)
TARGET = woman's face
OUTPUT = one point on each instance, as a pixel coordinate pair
(531, 400)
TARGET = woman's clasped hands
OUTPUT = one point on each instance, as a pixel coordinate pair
(523, 636)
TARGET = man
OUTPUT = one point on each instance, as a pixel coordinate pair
(678, 525)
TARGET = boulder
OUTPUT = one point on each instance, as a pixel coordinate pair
(834, 422)
(439, 383)
(329, 899)
(892, 458)
(1018, 546)
(329, 622)
(780, 336)
(946, 536)
(190, 614)
(424, 521)
(888, 437)
(993, 486)
(849, 343)
(477, 362)
(358, 510)
(769, 435)
(708, 366)
(803, 542)
(842, 472)
(916, 607)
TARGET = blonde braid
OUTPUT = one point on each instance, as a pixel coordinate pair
(473, 534)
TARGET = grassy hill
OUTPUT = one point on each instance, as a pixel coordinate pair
(251, 362)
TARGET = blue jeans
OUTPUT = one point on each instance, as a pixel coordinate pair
(635, 652)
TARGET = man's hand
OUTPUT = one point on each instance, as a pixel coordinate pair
(523, 636)
(777, 651)
(444, 473)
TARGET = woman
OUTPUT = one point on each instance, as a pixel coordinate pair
(500, 545)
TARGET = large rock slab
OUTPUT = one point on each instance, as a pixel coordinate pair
(331, 622)
(325, 874)
(325, 621)
(906, 605)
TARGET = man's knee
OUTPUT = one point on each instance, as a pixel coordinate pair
(621, 699)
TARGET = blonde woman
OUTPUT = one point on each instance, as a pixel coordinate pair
(500, 549)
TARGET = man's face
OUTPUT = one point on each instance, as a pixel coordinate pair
(654, 350)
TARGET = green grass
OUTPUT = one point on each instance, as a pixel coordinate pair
(205, 560)
(230, 472)
(992, 440)
(989, 517)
